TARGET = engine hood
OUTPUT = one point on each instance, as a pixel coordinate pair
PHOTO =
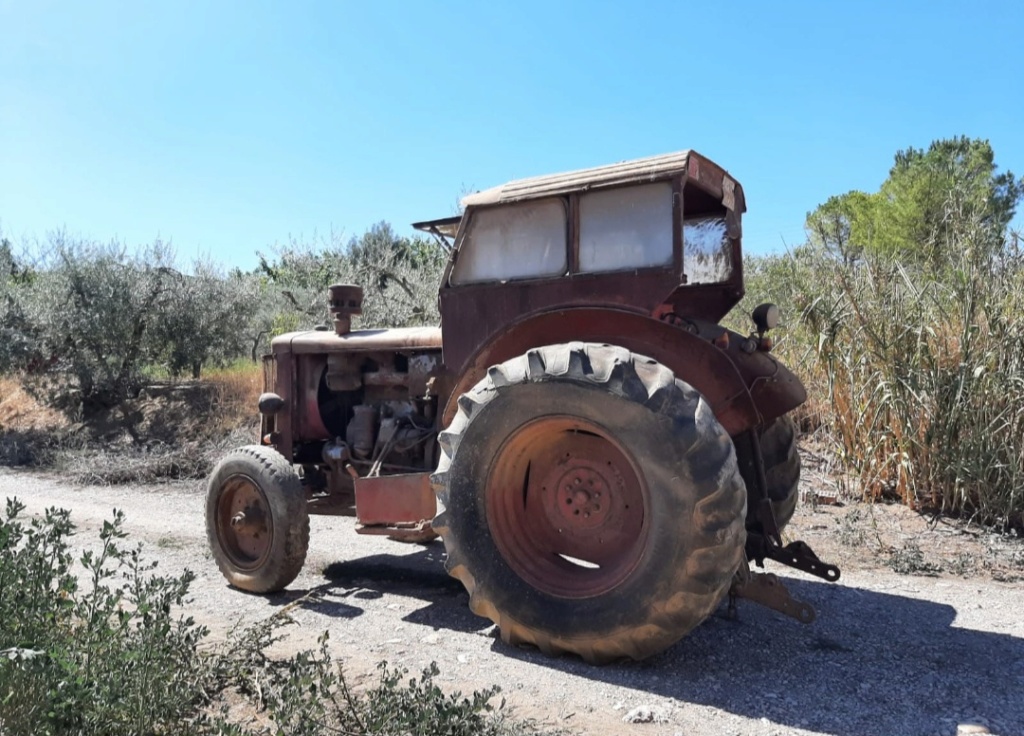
(324, 341)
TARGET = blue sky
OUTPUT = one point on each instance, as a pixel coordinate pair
(229, 126)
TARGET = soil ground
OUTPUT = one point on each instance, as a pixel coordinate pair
(922, 635)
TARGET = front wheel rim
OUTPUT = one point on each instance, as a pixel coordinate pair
(245, 526)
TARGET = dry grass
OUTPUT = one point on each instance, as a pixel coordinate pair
(221, 415)
(20, 412)
(127, 464)
(31, 434)
(237, 388)
(171, 431)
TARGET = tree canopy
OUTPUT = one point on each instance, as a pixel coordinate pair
(103, 318)
(928, 193)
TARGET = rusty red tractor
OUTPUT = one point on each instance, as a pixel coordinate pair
(601, 458)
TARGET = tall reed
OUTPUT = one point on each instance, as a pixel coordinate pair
(915, 369)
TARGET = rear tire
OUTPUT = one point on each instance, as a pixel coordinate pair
(590, 502)
(256, 519)
(781, 467)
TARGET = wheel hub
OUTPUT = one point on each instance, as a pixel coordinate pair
(249, 520)
(582, 493)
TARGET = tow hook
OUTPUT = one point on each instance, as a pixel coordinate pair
(767, 590)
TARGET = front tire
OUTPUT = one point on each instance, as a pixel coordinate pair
(256, 519)
(590, 502)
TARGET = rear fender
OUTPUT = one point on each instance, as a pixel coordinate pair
(742, 389)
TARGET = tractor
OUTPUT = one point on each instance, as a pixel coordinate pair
(601, 458)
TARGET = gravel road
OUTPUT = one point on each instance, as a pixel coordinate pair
(889, 654)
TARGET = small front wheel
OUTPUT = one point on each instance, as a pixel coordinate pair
(256, 519)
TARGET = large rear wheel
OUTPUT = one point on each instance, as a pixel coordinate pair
(590, 502)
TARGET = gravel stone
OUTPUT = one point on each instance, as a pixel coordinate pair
(645, 714)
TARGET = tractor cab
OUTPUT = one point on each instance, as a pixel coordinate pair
(656, 233)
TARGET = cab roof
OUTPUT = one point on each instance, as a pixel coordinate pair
(698, 168)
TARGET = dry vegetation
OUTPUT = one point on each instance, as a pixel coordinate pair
(20, 411)
(903, 314)
(916, 378)
(170, 430)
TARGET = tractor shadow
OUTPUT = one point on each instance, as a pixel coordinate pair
(873, 663)
(420, 575)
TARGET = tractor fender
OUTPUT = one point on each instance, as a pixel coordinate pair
(742, 389)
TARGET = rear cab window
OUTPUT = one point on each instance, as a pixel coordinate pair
(626, 228)
(707, 250)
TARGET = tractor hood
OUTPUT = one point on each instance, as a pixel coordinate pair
(362, 341)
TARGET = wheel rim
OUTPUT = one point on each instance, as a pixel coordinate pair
(566, 507)
(245, 527)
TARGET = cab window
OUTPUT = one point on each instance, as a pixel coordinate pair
(513, 242)
(627, 228)
(707, 250)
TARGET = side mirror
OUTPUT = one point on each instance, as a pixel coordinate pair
(766, 317)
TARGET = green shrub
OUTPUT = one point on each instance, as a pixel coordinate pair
(308, 695)
(100, 648)
(102, 655)
(910, 560)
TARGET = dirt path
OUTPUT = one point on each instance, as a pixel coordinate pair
(889, 654)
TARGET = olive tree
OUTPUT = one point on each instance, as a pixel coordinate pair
(88, 312)
(399, 276)
(207, 317)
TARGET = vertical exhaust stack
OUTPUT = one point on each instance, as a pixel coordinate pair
(345, 300)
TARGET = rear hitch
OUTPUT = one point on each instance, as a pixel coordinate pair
(765, 588)
(802, 557)
(768, 545)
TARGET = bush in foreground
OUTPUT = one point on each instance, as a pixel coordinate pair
(103, 654)
(100, 647)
